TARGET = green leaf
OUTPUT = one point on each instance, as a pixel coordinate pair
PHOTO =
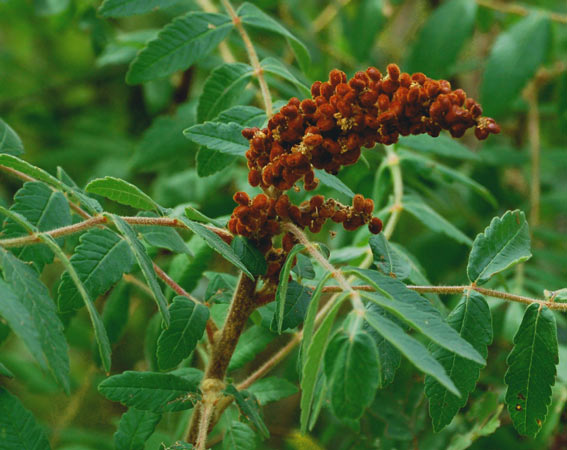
(20, 320)
(440, 40)
(188, 271)
(255, 17)
(531, 370)
(248, 406)
(34, 296)
(178, 445)
(275, 67)
(35, 172)
(210, 161)
(18, 427)
(431, 170)
(334, 182)
(281, 291)
(135, 428)
(472, 320)
(116, 311)
(295, 307)
(250, 256)
(44, 208)
(412, 349)
(362, 28)
(388, 261)
(304, 267)
(223, 87)
(122, 192)
(163, 141)
(10, 142)
(216, 243)
(4, 371)
(101, 258)
(272, 389)
(312, 360)
(225, 138)
(509, 66)
(179, 45)
(239, 436)
(251, 342)
(220, 288)
(99, 331)
(393, 296)
(124, 8)
(389, 358)
(353, 374)
(187, 324)
(504, 243)
(442, 145)
(195, 214)
(144, 262)
(151, 391)
(434, 221)
(162, 237)
(243, 115)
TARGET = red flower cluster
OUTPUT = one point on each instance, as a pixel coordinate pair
(328, 131)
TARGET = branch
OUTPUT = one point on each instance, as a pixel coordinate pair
(510, 8)
(534, 141)
(252, 56)
(99, 220)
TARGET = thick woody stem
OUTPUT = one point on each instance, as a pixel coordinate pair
(223, 347)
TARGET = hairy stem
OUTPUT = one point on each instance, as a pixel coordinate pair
(252, 56)
(241, 307)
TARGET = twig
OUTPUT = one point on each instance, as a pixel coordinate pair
(510, 8)
(98, 220)
(328, 14)
(138, 283)
(534, 140)
(253, 56)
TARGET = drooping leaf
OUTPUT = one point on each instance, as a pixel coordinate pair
(223, 87)
(238, 436)
(144, 262)
(312, 360)
(116, 311)
(303, 267)
(19, 429)
(225, 138)
(98, 327)
(362, 28)
(101, 258)
(440, 40)
(179, 45)
(187, 324)
(334, 182)
(216, 243)
(255, 17)
(195, 214)
(34, 296)
(44, 208)
(124, 8)
(248, 406)
(135, 428)
(250, 256)
(272, 389)
(351, 367)
(10, 142)
(504, 243)
(388, 261)
(412, 349)
(472, 320)
(122, 192)
(281, 291)
(295, 307)
(434, 221)
(531, 370)
(151, 391)
(389, 357)
(20, 320)
(275, 67)
(393, 296)
(509, 66)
